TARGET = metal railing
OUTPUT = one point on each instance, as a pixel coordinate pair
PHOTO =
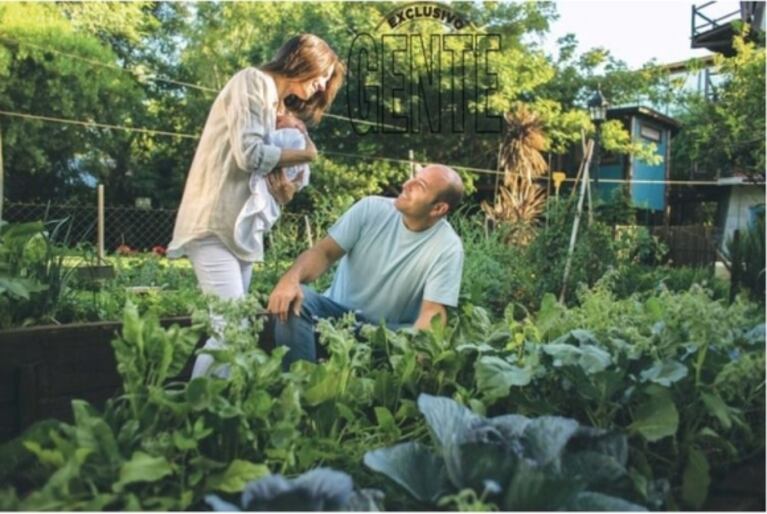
(703, 23)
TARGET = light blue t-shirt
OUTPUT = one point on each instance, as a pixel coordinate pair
(388, 270)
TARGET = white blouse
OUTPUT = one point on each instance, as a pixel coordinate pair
(234, 144)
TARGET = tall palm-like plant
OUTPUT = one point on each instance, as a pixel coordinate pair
(523, 142)
(520, 202)
(519, 205)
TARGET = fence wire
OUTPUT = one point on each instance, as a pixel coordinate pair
(143, 229)
(140, 229)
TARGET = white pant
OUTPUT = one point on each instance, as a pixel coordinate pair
(219, 273)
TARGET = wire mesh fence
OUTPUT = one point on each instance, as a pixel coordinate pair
(141, 229)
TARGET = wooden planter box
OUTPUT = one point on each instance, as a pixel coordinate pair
(42, 369)
(98, 272)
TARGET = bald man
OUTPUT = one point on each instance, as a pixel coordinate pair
(401, 264)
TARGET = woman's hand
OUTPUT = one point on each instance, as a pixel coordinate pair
(281, 188)
(290, 121)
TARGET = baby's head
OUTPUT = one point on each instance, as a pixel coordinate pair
(292, 139)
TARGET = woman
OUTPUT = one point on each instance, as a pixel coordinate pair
(298, 86)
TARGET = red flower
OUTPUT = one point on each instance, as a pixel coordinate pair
(158, 250)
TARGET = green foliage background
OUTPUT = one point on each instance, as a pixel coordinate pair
(49, 65)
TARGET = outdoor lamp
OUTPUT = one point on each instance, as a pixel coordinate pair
(598, 108)
(598, 113)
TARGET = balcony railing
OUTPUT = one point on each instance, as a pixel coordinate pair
(703, 21)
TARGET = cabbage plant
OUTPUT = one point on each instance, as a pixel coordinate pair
(320, 489)
(511, 461)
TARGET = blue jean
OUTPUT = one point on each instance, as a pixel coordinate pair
(297, 333)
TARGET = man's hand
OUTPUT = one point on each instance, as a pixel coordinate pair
(286, 292)
(281, 188)
(310, 264)
(290, 121)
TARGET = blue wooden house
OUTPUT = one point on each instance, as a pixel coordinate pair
(649, 126)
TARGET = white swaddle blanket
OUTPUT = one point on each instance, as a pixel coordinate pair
(261, 210)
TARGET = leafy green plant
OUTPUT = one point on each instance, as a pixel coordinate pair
(638, 279)
(594, 251)
(681, 374)
(746, 254)
(511, 461)
(148, 281)
(33, 279)
(320, 489)
(635, 244)
(494, 273)
(655, 367)
(163, 444)
(14, 279)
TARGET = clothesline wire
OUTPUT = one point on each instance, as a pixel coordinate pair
(142, 73)
(94, 124)
(107, 126)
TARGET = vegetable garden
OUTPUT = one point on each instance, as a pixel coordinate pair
(645, 389)
(628, 383)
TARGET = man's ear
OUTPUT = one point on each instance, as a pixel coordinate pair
(440, 209)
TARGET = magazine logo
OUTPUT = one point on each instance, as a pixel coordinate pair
(425, 68)
(425, 11)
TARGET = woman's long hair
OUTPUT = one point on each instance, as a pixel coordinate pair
(303, 57)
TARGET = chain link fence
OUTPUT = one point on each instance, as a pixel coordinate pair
(141, 229)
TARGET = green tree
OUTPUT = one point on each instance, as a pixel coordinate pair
(45, 160)
(561, 100)
(725, 135)
(201, 46)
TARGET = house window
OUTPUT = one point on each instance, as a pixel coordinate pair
(650, 133)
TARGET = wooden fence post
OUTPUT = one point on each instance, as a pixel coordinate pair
(308, 226)
(100, 234)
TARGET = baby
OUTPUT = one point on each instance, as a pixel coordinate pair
(261, 210)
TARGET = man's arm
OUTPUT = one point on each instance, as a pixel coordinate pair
(428, 311)
(310, 264)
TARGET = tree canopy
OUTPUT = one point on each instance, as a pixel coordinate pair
(159, 66)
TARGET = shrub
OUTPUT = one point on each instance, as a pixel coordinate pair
(593, 255)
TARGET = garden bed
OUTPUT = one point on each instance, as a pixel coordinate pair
(43, 368)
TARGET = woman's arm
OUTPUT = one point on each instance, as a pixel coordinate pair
(247, 128)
